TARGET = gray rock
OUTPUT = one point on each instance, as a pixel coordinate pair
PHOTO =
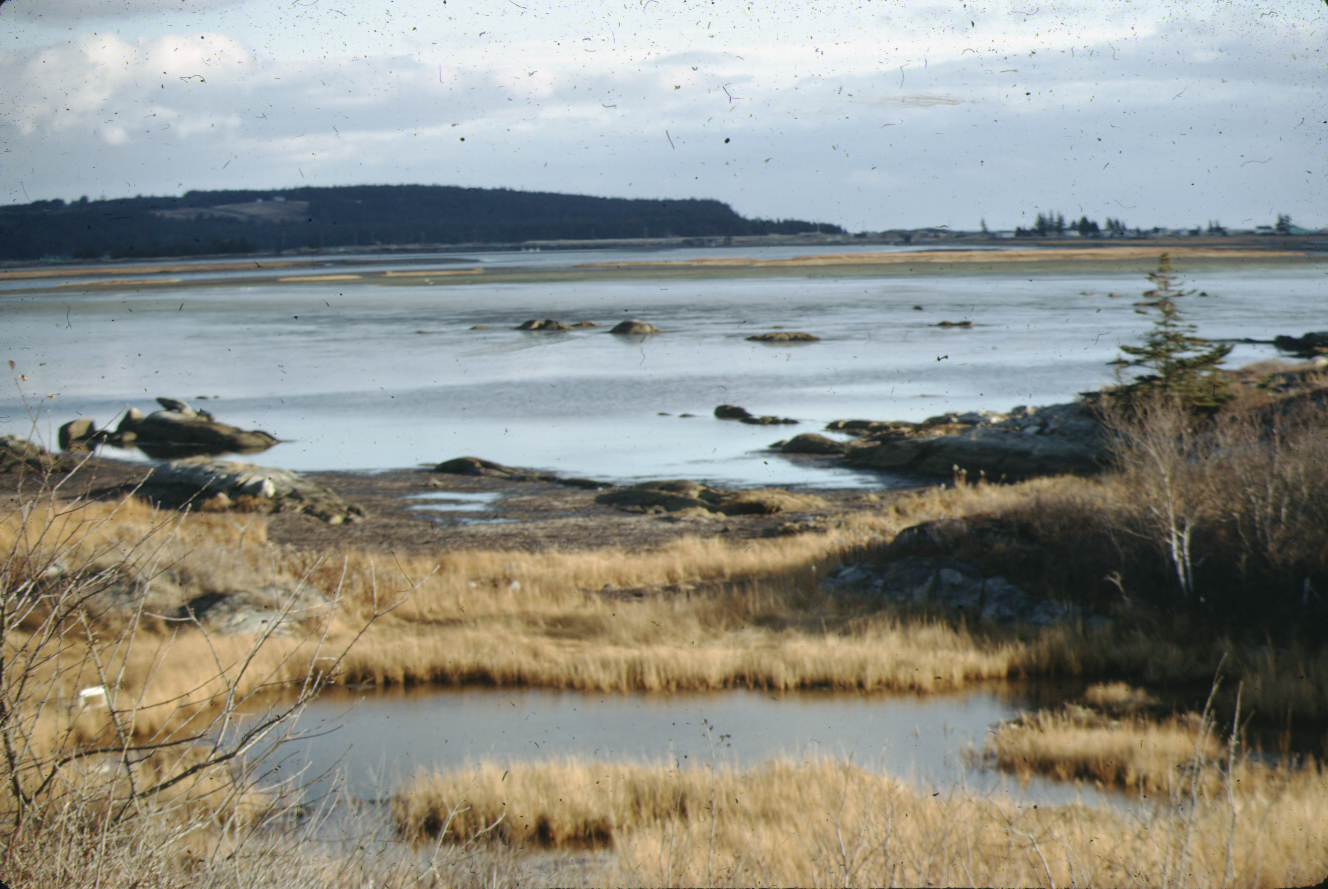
(733, 412)
(634, 327)
(925, 580)
(196, 482)
(546, 324)
(77, 434)
(20, 454)
(811, 443)
(275, 609)
(783, 336)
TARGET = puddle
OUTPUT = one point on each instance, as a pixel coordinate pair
(380, 738)
(453, 501)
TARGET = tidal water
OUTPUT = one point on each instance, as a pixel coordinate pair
(363, 377)
(371, 742)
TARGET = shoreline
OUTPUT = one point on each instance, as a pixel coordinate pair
(987, 261)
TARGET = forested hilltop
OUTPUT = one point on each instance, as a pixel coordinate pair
(212, 222)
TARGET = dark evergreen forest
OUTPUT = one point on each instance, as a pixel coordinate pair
(219, 222)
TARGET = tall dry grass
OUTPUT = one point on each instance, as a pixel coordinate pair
(833, 823)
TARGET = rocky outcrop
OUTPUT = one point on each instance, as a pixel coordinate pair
(474, 466)
(1311, 345)
(684, 495)
(962, 325)
(925, 580)
(634, 327)
(176, 431)
(1053, 440)
(546, 324)
(216, 485)
(783, 336)
(742, 415)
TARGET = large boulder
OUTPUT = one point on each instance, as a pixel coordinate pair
(634, 327)
(217, 485)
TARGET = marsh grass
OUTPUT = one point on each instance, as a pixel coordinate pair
(829, 822)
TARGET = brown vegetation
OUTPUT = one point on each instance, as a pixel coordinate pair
(833, 823)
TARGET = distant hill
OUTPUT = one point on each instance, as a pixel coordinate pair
(212, 222)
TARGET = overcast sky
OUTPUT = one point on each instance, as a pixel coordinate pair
(868, 113)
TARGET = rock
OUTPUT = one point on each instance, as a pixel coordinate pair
(177, 431)
(1054, 440)
(18, 453)
(77, 435)
(733, 412)
(268, 609)
(634, 327)
(481, 327)
(1308, 346)
(783, 336)
(956, 324)
(546, 324)
(197, 482)
(926, 580)
(474, 466)
(679, 495)
(581, 325)
(811, 443)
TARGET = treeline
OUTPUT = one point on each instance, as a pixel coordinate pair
(218, 222)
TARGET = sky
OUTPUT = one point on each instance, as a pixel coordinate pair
(871, 114)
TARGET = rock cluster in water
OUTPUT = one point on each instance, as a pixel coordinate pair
(634, 327)
(742, 415)
(1311, 345)
(177, 430)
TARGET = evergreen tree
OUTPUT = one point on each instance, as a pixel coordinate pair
(1177, 364)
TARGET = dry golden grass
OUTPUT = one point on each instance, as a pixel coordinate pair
(824, 823)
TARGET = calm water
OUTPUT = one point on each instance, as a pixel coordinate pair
(380, 738)
(365, 377)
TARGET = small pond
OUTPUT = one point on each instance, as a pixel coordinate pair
(376, 739)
